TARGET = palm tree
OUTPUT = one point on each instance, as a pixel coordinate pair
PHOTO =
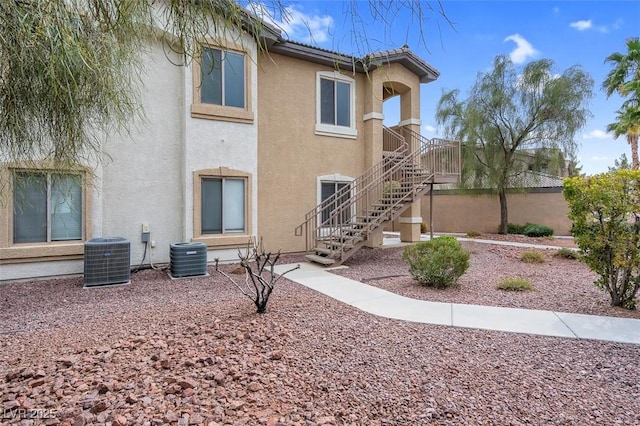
(624, 79)
(628, 123)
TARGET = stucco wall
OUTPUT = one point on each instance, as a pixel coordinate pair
(463, 213)
(147, 176)
(210, 144)
(290, 155)
(141, 177)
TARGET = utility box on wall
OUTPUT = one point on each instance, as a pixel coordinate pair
(188, 259)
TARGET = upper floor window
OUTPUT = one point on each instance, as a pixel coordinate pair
(222, 78)
(47, 207)
(222, 85)
(335, 105)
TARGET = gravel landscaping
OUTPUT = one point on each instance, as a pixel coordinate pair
(193, 351)
(561, 285)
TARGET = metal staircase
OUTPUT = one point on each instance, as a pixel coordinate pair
(335, 229)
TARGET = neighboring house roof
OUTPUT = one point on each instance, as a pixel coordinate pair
(529, 180)
(369, 62)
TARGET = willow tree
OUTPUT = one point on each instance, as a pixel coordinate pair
(511, 112)
(70, 73)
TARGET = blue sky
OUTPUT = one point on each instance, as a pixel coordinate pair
(568, 32)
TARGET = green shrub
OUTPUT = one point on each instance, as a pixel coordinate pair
(438, 262)
(515, 284)
(566, 253)
(604, 209)
(532, 257)
(533, 230)
(512, 228)
(473, 234)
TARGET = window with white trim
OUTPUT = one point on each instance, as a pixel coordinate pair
(222, 205)
(327, 190)
(47, 207)
(335, 106)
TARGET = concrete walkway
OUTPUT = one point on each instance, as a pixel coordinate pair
(390, 305)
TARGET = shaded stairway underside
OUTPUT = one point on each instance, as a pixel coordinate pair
(336, 228)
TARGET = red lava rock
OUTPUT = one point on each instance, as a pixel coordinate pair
(172, 389)
(37, 382)
(171, 417)
(220, 351)
(12, 376)
(120, 420)
(187, 383)
(254, 386)
(276, 355)
(100, 406)
(235, 405)
(68, 361)
(338, 365)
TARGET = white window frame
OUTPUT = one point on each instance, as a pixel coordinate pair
(323, 129)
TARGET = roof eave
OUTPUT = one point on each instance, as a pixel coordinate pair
(318, 56)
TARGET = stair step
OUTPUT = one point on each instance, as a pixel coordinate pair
(336, 245)
(320, 259)
(324, 251)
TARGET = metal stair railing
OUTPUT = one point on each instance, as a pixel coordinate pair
(444, 157)
(396, 146)
(344, 222)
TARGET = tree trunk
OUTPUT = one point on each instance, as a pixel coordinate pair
(504, 220)
(632, 138)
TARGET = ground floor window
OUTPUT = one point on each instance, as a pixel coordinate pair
(47, 207)
(327, 191)
(223, 205)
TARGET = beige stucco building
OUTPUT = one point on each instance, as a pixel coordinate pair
(240, 145)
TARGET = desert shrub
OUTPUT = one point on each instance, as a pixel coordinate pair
(438, 262)
(566, 253)
(473, 234)
(515, 284)
(390, 189)
(260, 278)
(533, 230)
(532, 256)
(604, 209)
(513, 228)
(424, 228)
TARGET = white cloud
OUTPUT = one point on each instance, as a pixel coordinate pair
(599, 158)
(295, 23)
(596, 134)
(581, 25)
(523, 51)
(588, 25)
(429, 128)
